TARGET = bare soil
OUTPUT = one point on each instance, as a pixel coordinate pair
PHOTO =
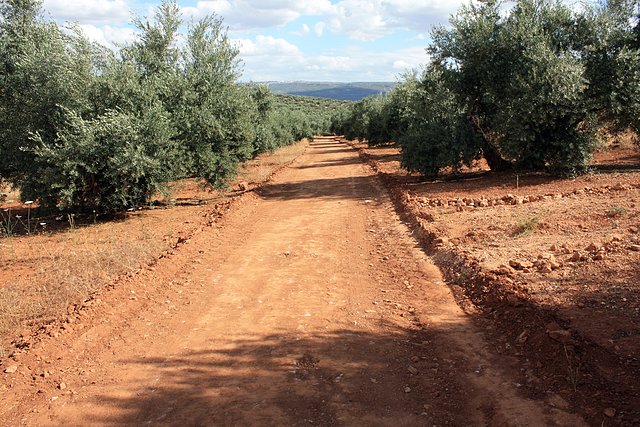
(552, 264)
(50, 264)
(345, 291)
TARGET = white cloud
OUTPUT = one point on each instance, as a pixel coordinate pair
(253, 14)
(266, 58)
(268, 47)
(358, 19)
(332, 63)
(368, 20)
(271, 57)
(89, 11)
(107, 35)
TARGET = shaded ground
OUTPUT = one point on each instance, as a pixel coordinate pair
(554, 264)
(308, 302)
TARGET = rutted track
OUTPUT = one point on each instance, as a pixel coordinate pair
(309, 303)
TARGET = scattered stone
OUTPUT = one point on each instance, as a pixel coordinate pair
(621, 187)
(553, 326)
(562, 336)
(577, 256)
(521, 265)
(592, 248)
(243, 185)
(62, 386)
(545, 268)
(610, 412)
(514, 301)
(407, 389)
(522, 338)
(412, 370)
(555, 265)
(503, 270)
(635, 248)
(11, 369)
(558, 402)
(599, 256)
(440, 241)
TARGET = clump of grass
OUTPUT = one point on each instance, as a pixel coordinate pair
(616, 211)
(527, 226)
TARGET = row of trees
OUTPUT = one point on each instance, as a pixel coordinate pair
(524, 87)
(85, 127)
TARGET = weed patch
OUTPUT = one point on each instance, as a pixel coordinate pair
(526, 227)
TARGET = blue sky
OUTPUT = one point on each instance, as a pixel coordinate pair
(284, 40)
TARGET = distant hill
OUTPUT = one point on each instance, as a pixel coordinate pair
(331, 90)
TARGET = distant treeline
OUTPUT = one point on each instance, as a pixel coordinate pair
(83, 127)
(526, 87)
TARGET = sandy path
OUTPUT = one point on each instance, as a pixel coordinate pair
(310, 304)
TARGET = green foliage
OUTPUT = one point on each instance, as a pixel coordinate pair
(616, 211)
(437, 134)
(608, 39)
(113, 162)
(82, 127)
(43, 68)
(525, 88)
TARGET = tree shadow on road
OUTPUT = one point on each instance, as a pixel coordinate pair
(356, 188)
(330, 163)
(342, 378)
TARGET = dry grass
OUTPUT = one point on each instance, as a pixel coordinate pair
(42, 274)
(526, 227)
(261, 168)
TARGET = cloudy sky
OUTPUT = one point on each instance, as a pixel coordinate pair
(312, 40)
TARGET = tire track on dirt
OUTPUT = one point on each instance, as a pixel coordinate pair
(310, 303)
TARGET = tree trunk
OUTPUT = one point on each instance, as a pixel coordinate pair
(494, 159)
(491, 154)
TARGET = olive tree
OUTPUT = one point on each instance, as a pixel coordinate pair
(523, 87)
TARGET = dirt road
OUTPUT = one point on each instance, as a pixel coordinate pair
(309, 303)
